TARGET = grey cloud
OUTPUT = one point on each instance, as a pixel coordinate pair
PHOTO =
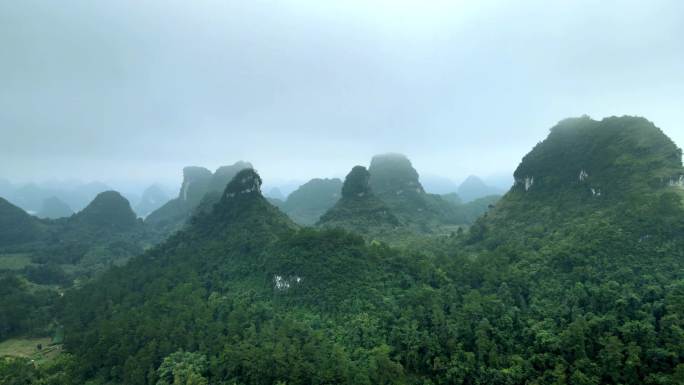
(136, 90)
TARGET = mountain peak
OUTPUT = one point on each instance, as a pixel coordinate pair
(599, 158)
(225, 174)
(195, 182)
(200, 191)
(245, 183)
(588, 167)
(108, 210)
(16, 225)
(474, 187)
(393, 173)
(473, 180)
(242, 206)
(359, 209)
(356, 184)
(53, 208)
(394, 181)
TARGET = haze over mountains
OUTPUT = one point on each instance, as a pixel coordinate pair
(361, 192)
(335, 80)
(576, 272)
(527, 290)
(55, 200)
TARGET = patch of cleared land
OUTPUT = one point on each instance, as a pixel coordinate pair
(14, 261)
(27, 347)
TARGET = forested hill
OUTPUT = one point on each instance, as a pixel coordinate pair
(556, 285)
(17, 226)
(109, 211)
(106, 231)
(359, 209)
(622, 169)
(240, 281)
(394, 180)
(107, 216)
(199, 185)
(613, 157)
(586, 253)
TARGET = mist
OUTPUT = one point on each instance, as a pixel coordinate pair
(129, 92)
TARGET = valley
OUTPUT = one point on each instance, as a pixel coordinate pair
(390, 285)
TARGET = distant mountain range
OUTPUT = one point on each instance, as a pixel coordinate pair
(104, 232)
(43, 199)
(307, 203)
(573, 276)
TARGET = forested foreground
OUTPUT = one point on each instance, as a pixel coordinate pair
(555, 285)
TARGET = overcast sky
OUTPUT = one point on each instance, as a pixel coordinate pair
(132, 91)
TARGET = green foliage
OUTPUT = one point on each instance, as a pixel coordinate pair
(359, 209)
(23, 371)
(48, 274)
(390, 173)
(62, 251)
(404, 213)
(23, 311)
(394, 180)
(619, 155)
(453, 198)
(183, 368)
(16, 226)
(474, 209)
(553, 285)
(199, 192)
(108, 212)
(224, 174)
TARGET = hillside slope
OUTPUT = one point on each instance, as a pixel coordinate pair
(307, 203)
(200, 187)
(555, 285)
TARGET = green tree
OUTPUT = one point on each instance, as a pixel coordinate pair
(183, 368)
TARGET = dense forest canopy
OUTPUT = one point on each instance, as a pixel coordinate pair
(574, 276)
(362, 192)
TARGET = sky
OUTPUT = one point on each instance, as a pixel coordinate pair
(128, 92)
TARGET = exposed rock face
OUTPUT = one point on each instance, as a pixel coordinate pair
(393, 174)
(474, 187)
(592, 168)
(195, 184)
(200, 191)
(676, 181)
(109, 210)
(54, 208)
(604, 158)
